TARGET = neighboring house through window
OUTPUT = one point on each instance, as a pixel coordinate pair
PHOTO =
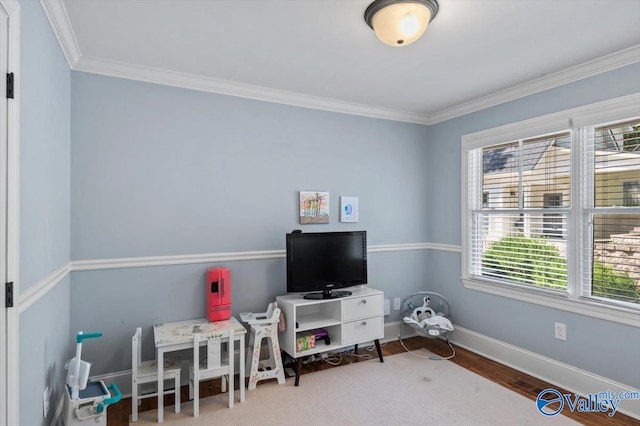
(543, 217)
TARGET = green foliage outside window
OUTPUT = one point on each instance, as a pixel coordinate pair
(527, 260)
(533, 261)
(614, 285)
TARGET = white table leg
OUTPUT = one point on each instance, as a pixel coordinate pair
(160, 357)
(241, 369)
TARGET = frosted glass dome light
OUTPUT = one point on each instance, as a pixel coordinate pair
(400, 22)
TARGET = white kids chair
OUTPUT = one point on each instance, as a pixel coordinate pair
(147, 372)
(264, 326)
(218, 363)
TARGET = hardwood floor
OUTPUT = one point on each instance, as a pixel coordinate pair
(530, 387)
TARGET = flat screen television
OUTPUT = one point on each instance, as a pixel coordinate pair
(319, 263)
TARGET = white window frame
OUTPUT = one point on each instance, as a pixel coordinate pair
(573, 120)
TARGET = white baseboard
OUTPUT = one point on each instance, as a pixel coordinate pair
(563, 375)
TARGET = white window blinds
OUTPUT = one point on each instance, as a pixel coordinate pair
(554, 219)
(520, 199)
(611, 254)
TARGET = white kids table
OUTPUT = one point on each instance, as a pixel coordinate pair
(175, 336)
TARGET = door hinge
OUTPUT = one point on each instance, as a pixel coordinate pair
(9, 85)
(8, 295)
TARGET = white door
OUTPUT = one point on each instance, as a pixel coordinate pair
(9, 121)
(4, 276)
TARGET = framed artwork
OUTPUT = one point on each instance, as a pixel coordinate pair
(348, 209)
(314, 207)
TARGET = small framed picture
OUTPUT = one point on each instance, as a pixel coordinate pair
(348, 209)
(314, 207)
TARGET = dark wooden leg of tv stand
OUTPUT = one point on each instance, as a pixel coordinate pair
(298, 370)
(377, 342)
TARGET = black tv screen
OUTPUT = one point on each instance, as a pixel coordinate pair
(322, 262)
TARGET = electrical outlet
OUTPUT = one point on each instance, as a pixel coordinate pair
(45, 401)
(396, 304)
(561, 331)
(387, 307)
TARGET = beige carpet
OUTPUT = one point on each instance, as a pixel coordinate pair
(404, 390)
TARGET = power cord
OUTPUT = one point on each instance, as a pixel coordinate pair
(369, 348)
(431, 357)
(360, 356)
(337, 358)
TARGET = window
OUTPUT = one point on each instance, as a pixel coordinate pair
(521, 172)
(552, 224)
(631, 194)
(552, 210)
(612, 158)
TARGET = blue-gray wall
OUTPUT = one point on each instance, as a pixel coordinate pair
(602, 347)
(45, 342)
(159, 170)
(166, 171)
(44, 149)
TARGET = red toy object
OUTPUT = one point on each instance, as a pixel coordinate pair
(218, 294)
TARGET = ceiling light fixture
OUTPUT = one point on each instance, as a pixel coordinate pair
(400, 22)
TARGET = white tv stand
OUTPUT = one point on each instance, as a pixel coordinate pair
(349, 320)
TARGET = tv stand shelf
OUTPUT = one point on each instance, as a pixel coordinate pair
(349, 320)
(311, 322)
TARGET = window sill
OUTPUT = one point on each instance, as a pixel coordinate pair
(557, 301)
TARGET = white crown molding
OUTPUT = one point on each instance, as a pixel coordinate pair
(597, 66)
(59, 20)
(598, 112)
(231, 88)
(188, 81)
